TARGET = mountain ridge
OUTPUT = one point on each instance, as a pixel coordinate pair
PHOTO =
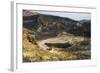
(50, 25)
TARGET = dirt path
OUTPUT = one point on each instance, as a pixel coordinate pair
(61, 39)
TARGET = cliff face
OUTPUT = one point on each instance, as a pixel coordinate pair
(50, 26)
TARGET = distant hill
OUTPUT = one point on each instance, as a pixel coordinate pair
(50, 26)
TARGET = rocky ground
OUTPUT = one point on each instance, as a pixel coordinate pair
(34, 51)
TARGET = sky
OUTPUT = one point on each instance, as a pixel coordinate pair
(72, 15)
